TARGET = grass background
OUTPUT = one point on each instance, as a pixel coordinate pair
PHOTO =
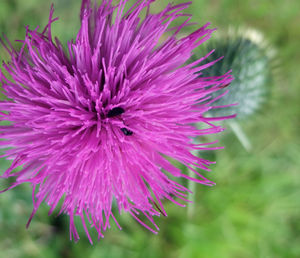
(253, 211)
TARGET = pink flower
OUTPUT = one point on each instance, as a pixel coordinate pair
(97, 124)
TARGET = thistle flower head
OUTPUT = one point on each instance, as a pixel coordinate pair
(98, 123)
(251, 59)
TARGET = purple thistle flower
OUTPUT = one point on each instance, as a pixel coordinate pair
(97, 124)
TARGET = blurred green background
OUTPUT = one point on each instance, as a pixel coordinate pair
(253, 211)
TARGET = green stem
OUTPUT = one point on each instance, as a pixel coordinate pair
(191, 196)
(240, 134)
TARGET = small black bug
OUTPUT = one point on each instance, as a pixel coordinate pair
(126, 131)
(115, 112)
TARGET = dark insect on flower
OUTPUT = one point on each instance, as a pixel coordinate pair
(71, 111)
(115, 112)
(126, 131)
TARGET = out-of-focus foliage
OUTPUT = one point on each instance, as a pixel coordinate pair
(253, 211)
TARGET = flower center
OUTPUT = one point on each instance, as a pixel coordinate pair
(116, 112)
